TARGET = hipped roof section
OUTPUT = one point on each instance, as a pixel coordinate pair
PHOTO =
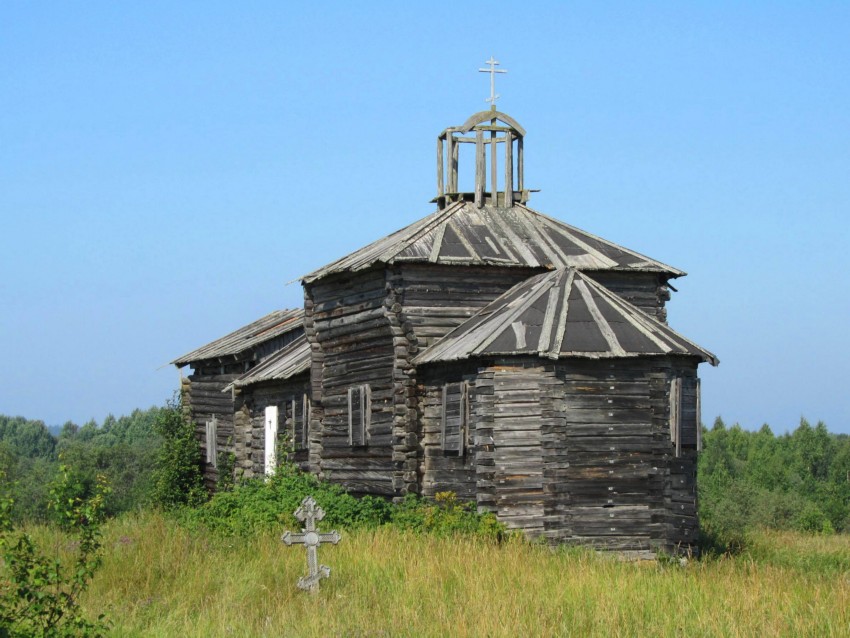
(558, 315)
(239, 341)
(290, 361)
(464, 234)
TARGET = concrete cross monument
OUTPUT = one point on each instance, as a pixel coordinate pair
(309, 513)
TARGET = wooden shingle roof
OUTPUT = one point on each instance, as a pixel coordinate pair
(239, 341)
(464, 234)
(557, 315)
(292, 360)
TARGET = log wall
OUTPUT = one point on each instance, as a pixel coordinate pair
(619, 481)
(648, 291)
(252, 403)
(446, 471)
(437, 299)
(513, 484)
(350, 335)
(576, 451)
(203, 398)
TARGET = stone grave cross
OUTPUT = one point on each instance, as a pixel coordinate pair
(309, 513)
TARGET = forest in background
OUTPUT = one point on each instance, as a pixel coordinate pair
(77, 509)
(747, 480)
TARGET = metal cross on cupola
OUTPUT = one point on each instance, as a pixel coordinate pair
(309, 513)
(492, 71)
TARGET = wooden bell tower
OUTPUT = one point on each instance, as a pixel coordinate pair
(493, 133)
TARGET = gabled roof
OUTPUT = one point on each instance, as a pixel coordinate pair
(239, 341)
(557, 315)
(292, 360)
(463, 234)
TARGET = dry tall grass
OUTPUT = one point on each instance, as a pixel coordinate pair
(160, 580)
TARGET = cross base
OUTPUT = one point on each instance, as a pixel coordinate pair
(311, 583)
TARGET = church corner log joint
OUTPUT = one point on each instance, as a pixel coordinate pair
(487, 350)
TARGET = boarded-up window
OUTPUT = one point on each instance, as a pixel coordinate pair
(270, 457)
(359, 415)
(298, 420)
(211, 435)
(455, 417)
(684, 414)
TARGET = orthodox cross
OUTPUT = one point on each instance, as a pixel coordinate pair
(492, 71)
(309, 513)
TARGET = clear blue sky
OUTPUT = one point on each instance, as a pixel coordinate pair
(166, 168)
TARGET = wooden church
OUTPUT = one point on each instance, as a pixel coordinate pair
(487, 350)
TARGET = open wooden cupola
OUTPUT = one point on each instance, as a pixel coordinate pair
(494, 135)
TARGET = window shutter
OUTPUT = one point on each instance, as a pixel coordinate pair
(212, 447)
(294, 423)
(271, 440)
(699, 417)
(685, 418)
(305, 421)
(689, 428)
(359, 414)
(676, 414)
(455, 417)
(299, 414)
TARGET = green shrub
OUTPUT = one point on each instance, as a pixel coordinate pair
(39, 596)
(177, 476)
(258, 505)
(813, 520)
(226, 466)
(444, 516)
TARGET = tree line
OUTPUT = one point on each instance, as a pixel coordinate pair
(747, 479)
(795, 481)
(123, 450)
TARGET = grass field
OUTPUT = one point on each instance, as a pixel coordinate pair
(160, 580)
